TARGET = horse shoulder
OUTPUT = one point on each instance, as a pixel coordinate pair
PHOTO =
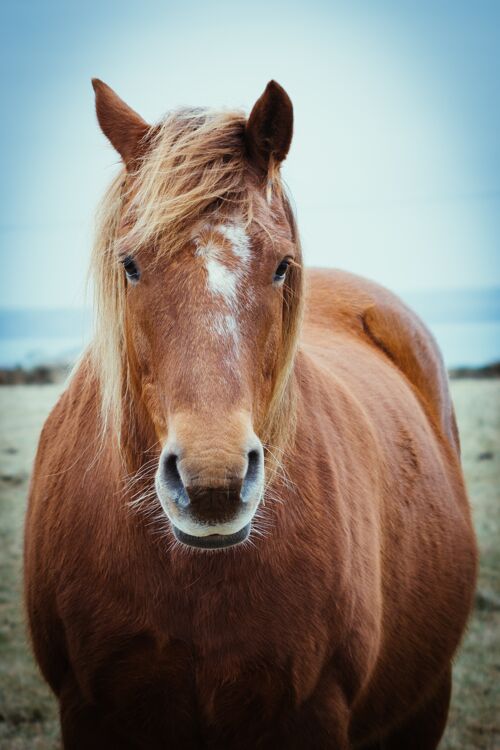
(373, 313)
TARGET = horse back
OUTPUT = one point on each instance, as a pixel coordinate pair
(341, 302)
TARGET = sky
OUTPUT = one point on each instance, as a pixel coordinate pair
(395, 164)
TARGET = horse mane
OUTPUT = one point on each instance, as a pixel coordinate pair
(194, 169)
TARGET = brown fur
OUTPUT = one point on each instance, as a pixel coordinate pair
(336, 624)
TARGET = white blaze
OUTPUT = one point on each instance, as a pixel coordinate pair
(238, 238)
(221, 280)
(226, 326)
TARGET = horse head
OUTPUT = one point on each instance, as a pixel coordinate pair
(199, 268)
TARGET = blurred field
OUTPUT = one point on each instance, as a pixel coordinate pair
(28, 716)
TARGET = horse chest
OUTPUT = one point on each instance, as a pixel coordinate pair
(177, 683)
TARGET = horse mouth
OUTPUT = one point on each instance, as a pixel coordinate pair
(212, 541)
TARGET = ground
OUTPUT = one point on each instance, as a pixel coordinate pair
(28, 713)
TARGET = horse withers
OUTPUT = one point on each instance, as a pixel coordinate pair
(247, 525)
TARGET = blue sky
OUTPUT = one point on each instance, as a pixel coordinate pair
(395, 165)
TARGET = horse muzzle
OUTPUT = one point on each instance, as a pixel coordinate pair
(211, 496)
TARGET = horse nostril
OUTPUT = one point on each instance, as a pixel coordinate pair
(253, 464)
(170, 467)
(172, 479)
(253, 474)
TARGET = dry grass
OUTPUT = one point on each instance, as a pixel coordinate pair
(474, 722)
(28, 714)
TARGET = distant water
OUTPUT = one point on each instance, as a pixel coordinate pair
(468, 344)
(466, 324)
(48, 337)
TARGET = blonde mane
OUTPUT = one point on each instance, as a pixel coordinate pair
(194, 168)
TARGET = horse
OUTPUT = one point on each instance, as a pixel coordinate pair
(247, 524)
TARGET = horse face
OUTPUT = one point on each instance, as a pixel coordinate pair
(204, 331)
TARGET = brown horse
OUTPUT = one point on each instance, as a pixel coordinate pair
(248, 526)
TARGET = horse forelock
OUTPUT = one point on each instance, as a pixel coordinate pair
(194, 173)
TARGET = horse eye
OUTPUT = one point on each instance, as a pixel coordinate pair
(131, 270)
(280, 273)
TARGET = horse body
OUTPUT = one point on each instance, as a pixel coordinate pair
(333, 626)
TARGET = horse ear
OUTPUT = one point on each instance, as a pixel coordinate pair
(269, 129)
(124, 128)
